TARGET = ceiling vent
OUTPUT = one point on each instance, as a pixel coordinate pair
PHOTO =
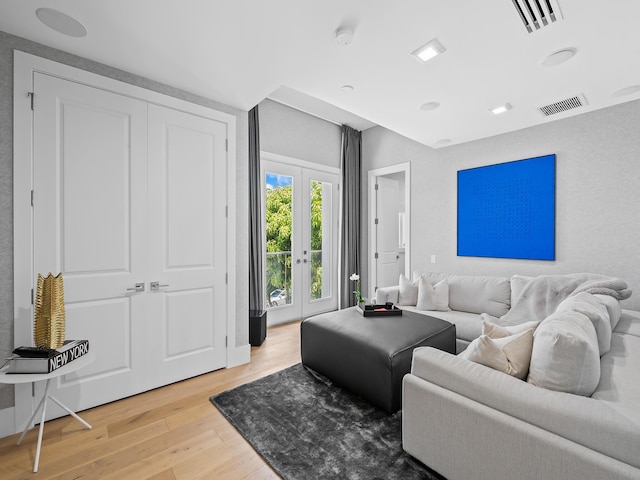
(536, 14)
(563, 105)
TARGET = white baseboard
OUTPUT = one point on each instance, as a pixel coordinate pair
(7, 422)
(238, 355)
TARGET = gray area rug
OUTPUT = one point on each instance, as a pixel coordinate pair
(306, 427)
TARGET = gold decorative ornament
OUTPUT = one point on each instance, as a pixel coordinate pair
(49, 317)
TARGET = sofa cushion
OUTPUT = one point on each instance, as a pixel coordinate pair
(434, 297)
(565, 354)
(620, 371)
(629, 323)
(510, 354)
(613, 307)
(517, 284)
(408, 291)
(479, 294)
(468, 325)
(387, 294)
(433, 277)
(594, 310)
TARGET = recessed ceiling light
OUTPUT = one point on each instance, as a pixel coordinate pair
(501, 109)
(427, 107)
(347, 88)
(61, 22)
(623, 92)
(429, 50)
(556, 58)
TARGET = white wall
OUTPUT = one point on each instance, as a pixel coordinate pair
(597, 194)
(292, 133)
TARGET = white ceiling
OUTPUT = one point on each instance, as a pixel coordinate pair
(239, 52)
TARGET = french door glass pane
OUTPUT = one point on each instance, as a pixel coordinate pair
(279, 226)
(320, 235)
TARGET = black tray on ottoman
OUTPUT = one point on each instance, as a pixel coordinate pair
(371, 355)
(379, 310)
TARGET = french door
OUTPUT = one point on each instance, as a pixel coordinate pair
(301, 240)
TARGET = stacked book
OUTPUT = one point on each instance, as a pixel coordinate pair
(46, 360)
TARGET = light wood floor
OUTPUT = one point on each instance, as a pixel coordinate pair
(172, 432)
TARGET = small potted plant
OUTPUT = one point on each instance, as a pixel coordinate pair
(360, 300)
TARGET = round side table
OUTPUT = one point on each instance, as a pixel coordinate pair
(16, 378)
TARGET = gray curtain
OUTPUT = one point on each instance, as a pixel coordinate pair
(256, 286)
(350, 234)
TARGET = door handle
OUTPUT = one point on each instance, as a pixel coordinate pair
(139, 287)
(298, 260)
(156, 285)
(305, 261)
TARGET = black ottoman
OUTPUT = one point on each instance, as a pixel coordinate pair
(371, 355)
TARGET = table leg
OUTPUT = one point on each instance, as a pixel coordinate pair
(43, 406)
(44, 410)
(35, 412)
(73, 414)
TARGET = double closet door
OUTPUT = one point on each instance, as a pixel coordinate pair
(129, 203)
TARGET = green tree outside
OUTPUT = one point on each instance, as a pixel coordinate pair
(279, 234)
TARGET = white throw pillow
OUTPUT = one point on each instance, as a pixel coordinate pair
(510, 355)
(433, 297)
(595, 311)
(565, 355)
(494, 331)
(407, 292)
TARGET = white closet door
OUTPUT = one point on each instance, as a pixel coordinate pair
(89, 223)
(187, 244)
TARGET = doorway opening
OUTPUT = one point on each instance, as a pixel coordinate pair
(389, 225)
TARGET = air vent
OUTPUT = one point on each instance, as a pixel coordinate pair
(563, 105)
(536, 14)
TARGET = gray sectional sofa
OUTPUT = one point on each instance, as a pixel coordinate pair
(466, 420)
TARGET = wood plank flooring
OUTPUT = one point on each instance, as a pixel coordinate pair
(170, 433)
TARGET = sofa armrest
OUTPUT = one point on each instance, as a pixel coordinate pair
(386, 294)
(597, 424)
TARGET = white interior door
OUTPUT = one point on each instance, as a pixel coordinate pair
(301, 239)
(187, 253)
(387, 232)
(89, 222)
(128, 193)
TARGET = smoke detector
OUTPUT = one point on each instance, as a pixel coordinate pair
(344, 36)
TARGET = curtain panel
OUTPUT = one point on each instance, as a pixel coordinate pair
(256, 248)
(350, 232)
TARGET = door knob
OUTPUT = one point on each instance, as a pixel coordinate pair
(139, 287)
(298, 261)
(156, 285)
